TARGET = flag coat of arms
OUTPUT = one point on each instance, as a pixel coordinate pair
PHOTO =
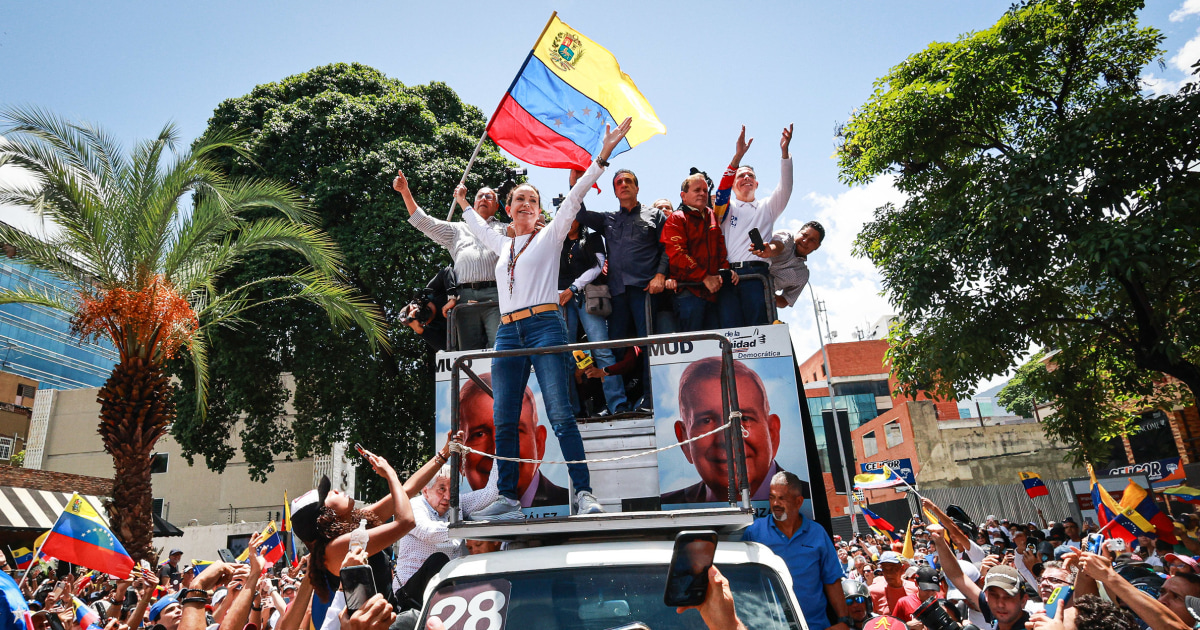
(1034, 487)
(271, 547)
(80, 536)
(568, 89)
(23, 557)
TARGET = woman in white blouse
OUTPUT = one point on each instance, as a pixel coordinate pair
(527, 281)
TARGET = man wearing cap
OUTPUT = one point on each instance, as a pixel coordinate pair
(1001, 600)
(168, 572)
(165, 613)
(1179, 563)
(888, 588)
(929, 585)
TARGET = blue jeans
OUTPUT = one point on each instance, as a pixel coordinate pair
(751, 298)
(628, 320)
(509, 378)
(597, 330)
(695, 313)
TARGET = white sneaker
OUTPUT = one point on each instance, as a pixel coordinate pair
(502, 509)
(586, 503)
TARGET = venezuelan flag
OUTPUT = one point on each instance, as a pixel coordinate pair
(14, 610)
(870, 481)
(1136, 498)
(271, 547)
(1179, 493)
(1034, 487)
(86, 617)
(23, 557)
(80, 536)
(1108, 511)
(567, 90)
(198, 566)
(876, 521)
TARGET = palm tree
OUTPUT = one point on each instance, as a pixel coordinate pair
(143, 268)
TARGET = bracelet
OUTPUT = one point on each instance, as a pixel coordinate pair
(601, 161)
(203, 601)
(186, 593)
(441, 458)
(255, 608)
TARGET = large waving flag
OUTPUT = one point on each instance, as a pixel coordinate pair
(567, 90)
(14, 610)
(1034, 487)
(1136, 498)
(1107, 511)
(876, 521)
(80, 536)
(1184, 493)
(883, 479)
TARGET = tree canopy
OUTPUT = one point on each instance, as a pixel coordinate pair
(1050, 202)
(338, 134)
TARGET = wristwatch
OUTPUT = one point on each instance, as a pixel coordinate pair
(574, 289)
(601, 161)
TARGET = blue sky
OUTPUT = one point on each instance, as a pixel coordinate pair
(706, 67)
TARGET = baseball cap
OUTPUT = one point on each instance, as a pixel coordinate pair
(1188, 560)
(892, 557)
(305, 510)
(928, 578)
(159, 606)
(1004, 578)
(176, 551)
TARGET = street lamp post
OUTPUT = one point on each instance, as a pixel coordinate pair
(837, 426)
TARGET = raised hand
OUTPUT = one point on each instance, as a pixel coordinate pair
(613, 137)
(743, 145)
(400, 184)
(381, 465)
(460, 193)
(786, 140)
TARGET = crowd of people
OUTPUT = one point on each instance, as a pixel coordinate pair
(999, 574)
(695, 261)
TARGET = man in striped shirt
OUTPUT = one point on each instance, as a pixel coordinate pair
(788, 256)
(474, 264)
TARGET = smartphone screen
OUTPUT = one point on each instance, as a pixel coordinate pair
(358, 582)
(226, 556)
(687, 577)
(1094, 542)
(359, 447)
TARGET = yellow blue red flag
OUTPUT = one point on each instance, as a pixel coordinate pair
(80, 536)
(1034, 487)
(568, 89)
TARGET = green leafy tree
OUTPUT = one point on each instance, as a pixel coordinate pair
(1049, 202)
(1018, 395)
(18, 459)
(151, 276)
(339, 133)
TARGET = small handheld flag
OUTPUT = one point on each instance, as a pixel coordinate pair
(271, 547)
(876, 521)
(80, 536)
(23, 557)
(886, 478)
(1034, 487)
(1179, 493)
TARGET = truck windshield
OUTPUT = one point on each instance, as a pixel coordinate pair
(603, 597)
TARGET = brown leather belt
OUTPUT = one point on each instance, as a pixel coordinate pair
(517, 316)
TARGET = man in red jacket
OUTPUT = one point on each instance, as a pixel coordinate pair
(695, 246)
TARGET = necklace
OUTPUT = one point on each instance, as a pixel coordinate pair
(513, 257)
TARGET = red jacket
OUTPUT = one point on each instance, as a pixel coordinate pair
(695, 246)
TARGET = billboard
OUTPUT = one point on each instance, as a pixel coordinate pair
(902, 467)
(687, 402)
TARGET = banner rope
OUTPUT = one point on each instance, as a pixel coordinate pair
(463, 448)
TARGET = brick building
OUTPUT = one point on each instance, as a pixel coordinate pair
(864, 399)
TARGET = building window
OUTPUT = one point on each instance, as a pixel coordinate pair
(6, 447)
(892, 434)
(869, 447)
(158, 463)
(158, 508)
(26, 391)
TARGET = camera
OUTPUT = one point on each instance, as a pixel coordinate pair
(506, 187)
(933, 615)
(421, 299)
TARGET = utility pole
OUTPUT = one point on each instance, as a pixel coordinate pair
(837, 426)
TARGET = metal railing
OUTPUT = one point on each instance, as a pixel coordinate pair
(735, 452)
(768, 297)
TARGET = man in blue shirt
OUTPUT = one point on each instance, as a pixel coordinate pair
(806, 549)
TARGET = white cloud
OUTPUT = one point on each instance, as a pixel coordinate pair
(21, 217)
(1159, 86)
(1187, 55)
(1190, 7)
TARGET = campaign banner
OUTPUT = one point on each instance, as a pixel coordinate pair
(903, 467)
(542, 487)
(686, 378)
(1163, 473)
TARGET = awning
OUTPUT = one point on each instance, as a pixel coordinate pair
(22, 508)
(163, 528)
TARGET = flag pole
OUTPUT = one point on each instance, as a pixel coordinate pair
(37, 553)
(479, 145)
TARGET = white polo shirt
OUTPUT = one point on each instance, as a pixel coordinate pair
(760, 213)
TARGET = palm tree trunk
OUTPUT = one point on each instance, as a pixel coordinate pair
(135, 408)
